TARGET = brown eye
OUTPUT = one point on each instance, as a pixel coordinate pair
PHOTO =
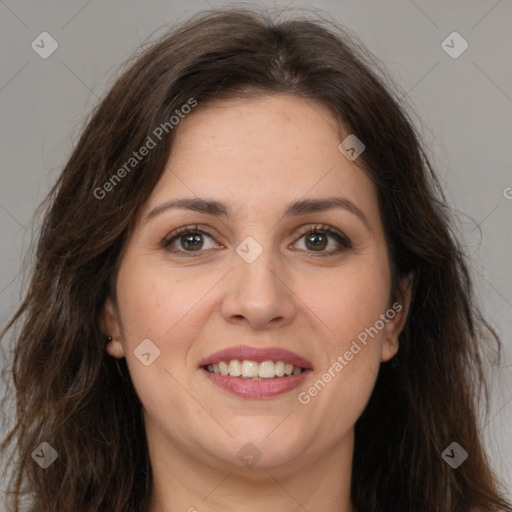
(186, 240)
(317, 239)
(191, 241)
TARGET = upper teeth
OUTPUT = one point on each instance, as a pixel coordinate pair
(252, 369)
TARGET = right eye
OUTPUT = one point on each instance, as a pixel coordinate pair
(189, 239)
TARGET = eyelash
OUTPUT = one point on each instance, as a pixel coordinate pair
(324, 229)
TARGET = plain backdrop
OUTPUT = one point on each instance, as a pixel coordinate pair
(464, 106)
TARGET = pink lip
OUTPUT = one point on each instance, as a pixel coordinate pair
(242, 352)
(256, 388)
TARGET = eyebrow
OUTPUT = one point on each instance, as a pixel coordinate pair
(301, 207)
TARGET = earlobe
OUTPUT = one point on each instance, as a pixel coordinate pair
(389, 349)
(395, 326)
(115, 348)
(111, 329)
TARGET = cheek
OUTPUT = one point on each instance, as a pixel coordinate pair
(155, 301)
(350, 303)
(167, 307)
(343, 387)
(350, 299)
(158, 306)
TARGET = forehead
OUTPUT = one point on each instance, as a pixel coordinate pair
(261, 153)
(271, 124)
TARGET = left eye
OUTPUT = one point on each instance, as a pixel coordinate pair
(318, 238)
(191, 240)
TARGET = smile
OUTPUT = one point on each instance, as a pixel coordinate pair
(254, 370)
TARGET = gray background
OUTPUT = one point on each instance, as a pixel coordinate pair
(464, 104)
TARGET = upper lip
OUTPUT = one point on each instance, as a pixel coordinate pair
(242, 352)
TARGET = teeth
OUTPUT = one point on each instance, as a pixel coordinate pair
(249, 369)
(252, 370)
(267, 370)
(223, 367)
(279, 368)
(235, 368)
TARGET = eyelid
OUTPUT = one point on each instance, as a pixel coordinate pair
(189, 228)
(324, 228)
(327, 229)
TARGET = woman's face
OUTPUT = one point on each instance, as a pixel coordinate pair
(256, 277)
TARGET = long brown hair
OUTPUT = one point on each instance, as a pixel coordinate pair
(71, 394)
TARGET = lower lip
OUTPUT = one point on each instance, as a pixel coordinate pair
(256, 388)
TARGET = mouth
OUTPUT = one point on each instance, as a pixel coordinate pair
(250, 372)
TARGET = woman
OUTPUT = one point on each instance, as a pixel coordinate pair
(247, 294)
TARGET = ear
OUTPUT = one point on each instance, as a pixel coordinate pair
(397, 316)
(110, 326)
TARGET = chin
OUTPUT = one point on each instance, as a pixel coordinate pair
(263, 429)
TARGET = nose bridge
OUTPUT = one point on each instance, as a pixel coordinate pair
(255, 265)
(259, 292)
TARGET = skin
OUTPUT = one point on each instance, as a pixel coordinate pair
(256, 155)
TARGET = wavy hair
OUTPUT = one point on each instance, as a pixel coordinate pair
(70, 393)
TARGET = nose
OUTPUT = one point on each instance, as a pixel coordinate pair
(259, 293)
